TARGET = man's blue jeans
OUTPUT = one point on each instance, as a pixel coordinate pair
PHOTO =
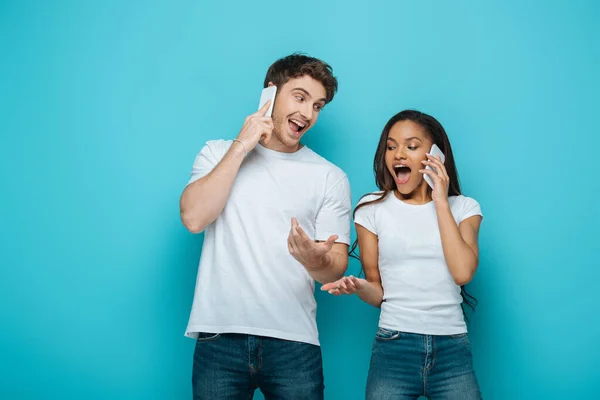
(232, 366)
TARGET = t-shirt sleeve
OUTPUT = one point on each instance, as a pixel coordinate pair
(365, 215)
(470, 207)
(211, 154)
(334, 216)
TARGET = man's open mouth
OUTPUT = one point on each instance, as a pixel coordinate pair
(297, 126)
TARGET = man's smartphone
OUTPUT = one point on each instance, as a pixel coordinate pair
(267, 94)
(435, 151)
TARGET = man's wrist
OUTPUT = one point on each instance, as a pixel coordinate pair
(239, 147)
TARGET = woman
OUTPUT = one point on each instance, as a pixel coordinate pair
(418, 247)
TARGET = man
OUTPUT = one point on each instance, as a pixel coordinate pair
(277, 217)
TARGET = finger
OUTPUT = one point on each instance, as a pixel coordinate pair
(266, 138)
(434, 168)
(437, 161)
(296, 236)
(295, 227)
(355, 281)
(436, 157)
(267, 133)
(349, 283)
(445, 171)
(290, 247)
(302, 234)
(441, 167)
(332, 285)
(437, 168)
(263, 110)
(331, 241)
(292, 239)
(339, 291)
(349, 290)
(433, 175)
(300, 240)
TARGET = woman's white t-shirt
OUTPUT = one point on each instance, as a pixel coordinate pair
(420, 295)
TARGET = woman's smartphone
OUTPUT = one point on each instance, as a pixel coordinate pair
(435, 151)
(267, 94)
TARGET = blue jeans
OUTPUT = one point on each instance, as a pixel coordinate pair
(232, 366)
(408, 365)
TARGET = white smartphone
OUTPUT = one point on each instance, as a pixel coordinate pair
(435, 151)
(267, 94)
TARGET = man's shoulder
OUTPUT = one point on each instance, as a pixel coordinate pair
(218, 145)
(332, 170)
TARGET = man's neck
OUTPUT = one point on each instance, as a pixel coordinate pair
(275, 145)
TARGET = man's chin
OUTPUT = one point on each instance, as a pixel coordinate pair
(289, 139)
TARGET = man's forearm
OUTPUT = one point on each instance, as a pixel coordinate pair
(203, 201)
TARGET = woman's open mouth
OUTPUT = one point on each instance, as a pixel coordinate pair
(401, 174)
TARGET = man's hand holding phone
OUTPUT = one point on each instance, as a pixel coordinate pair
(259, 126)
(256, 127)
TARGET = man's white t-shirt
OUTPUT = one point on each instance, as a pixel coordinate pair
(248, 282)
(420, 295)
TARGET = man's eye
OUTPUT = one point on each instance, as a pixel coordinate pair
(318, 107)
(300, 98)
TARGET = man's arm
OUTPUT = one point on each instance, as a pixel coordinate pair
(324, 261)
(203, 200)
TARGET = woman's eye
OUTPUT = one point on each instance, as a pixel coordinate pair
(391, 148)
(412, 147)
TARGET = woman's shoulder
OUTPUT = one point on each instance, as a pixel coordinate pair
(464, 206)
(461, 200)
(370, 197)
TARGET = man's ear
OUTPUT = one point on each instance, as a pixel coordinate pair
(271, 84)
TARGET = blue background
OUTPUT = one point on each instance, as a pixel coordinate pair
(104, 105)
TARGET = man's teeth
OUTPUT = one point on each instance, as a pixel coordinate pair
(300, 124)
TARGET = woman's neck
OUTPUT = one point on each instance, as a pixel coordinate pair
(421, 195)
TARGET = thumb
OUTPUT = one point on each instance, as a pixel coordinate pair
(331, 241)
